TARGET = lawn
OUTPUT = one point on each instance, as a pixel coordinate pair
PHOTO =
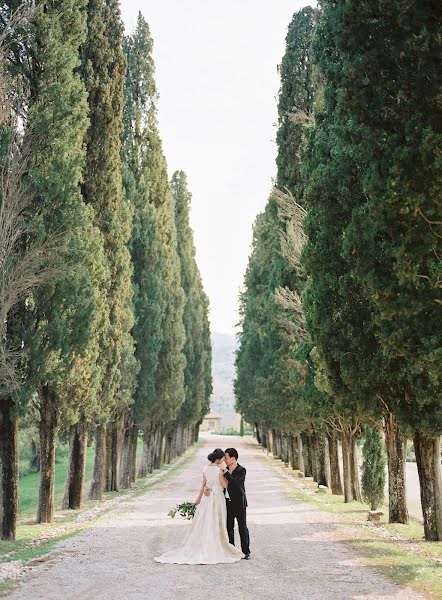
(29, 482)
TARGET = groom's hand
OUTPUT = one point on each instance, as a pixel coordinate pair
(206, 492)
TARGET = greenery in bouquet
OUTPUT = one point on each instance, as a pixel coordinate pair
(185, 509)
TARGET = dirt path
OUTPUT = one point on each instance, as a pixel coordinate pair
(294, 555)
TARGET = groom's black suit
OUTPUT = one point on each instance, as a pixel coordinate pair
(236, 506)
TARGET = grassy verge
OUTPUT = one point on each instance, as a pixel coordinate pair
(29, 482)
(34, 541)
(397, 551)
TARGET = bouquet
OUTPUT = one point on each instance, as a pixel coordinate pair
(185, 509)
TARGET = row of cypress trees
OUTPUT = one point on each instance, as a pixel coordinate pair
(341, 324)
(118, 345)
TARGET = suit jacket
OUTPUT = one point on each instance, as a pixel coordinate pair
(236, 487)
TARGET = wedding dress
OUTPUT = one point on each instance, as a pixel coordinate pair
(206, 541)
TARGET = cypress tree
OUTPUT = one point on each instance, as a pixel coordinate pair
(159, 297)
(206, 362)
(103, 70)
(58, 319)
(146, 250)
(373, 467)
(337, 311)
(169, 375)
(390, 245)
(393, 239)
(194, 317)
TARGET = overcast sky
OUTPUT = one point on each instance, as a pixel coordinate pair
(216, 71)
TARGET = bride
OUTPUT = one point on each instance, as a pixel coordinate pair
(206, 542)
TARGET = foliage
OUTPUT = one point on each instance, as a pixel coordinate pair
(103, 70)
(185, 509)
(373, 467)
(197, 373)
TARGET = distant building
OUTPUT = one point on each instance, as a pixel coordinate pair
(211, 422)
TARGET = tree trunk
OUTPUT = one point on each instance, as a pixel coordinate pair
(322, 458)
(48, 431)
(313, 439)
(163, 448)
(126, 456)
(9, 464)
(335, 474)
(185, 440)
(427, 451)
(68, 478)
(396, 445)
(287, 449)
(301, 465)
(282, 448)
(346, 441)
(99, 475)
(355, 480)
(293, 452)
(133, 459)
(35, 458)
(306, 447)
(108, 454)
(146, 456)
(77, 465)
(278, 445)
(258, 434)
(265, 439)
(157, 448)
(178, 442)
(165, 451)
(272, 442)
(116, 447)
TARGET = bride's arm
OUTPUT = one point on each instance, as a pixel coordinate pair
(200, 495)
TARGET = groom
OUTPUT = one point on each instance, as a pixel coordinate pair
(237, 503)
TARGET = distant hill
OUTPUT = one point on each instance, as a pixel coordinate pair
(223, 361)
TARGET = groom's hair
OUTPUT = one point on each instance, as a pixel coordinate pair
(232, 453)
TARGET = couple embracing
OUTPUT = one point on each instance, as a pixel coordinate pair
(221, 500)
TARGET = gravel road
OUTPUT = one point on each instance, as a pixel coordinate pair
(294, 553)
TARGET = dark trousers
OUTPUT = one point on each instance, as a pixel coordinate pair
(240, 514)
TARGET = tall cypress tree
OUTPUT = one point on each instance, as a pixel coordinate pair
(274, 334)
(103, 69)
(391, 123)
(159, 298)
(58, 320)
(339, 317)
(169, 377)
(299, 88)
(195, 310)
(145, 245)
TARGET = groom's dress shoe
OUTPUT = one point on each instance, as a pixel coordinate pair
(246, 557)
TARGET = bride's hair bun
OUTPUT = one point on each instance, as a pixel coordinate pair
(216, 455)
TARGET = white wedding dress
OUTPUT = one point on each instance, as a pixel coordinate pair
(206, 541)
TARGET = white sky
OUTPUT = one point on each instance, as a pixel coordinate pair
(216, 71)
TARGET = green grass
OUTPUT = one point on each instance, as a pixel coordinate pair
(6, 585)
(397, 551)
(30, 481)
(29, 484)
